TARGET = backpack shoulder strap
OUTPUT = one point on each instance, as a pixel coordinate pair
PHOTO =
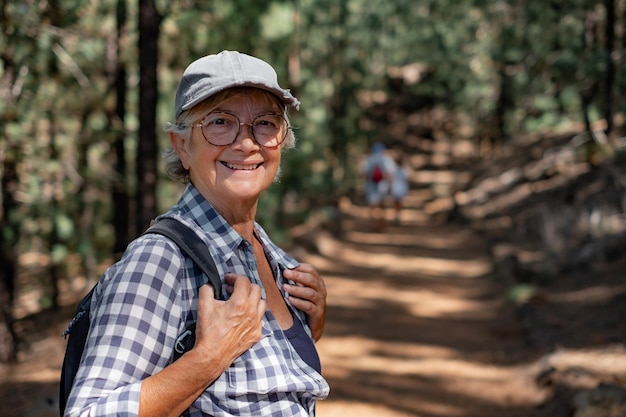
(192, 246)
(78, 329)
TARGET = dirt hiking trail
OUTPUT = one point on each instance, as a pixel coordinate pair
(415, 327)
(419, 322)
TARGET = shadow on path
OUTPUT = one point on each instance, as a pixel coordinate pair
(416, 326)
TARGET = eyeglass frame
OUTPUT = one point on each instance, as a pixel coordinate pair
(288, 127)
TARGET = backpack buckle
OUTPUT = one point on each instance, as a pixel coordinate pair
(180, 345)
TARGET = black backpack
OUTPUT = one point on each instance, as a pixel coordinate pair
(192, 246)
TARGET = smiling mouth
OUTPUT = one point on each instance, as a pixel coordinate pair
(247, 167)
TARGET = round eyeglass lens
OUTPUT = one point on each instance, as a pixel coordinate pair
(221, 128)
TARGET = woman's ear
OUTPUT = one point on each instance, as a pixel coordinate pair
(180, 144)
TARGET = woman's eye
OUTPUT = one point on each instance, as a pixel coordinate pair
(264, 123)
(217, 121)
(267, 122)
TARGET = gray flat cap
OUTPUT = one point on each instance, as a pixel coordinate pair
(214, 73)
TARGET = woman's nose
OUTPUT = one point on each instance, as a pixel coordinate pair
(246, 133)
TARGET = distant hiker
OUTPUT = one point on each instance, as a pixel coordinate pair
(254, 353)
(377, 168)
(399, 185)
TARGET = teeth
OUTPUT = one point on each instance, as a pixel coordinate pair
(241, 167)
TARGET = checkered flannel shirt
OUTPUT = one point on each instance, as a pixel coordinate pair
(146, 300)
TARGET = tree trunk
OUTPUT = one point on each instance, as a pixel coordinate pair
(339, 104)
(504, 102)
(589, 87)
(149, 26)
(294, 54)
(120, 196)
(8, 259)
(609, 79)
(56, 266)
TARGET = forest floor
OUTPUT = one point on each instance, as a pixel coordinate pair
(418, 325)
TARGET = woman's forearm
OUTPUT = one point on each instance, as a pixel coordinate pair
(171, 391)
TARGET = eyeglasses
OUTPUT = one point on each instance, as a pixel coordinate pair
(222, 128)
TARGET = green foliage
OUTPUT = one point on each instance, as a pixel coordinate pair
(521, 293)
(58, 66)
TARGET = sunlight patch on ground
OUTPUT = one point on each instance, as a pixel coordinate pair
(418, 302)
(434, 307)
(434, 240)
(611, 360)
(411, 217)
(343, 357)
(330, 408)
(392, 263)
(597, 294)
(363, 350)
(45, 375)
(367, 355)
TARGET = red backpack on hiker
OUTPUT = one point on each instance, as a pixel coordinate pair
(377, 173)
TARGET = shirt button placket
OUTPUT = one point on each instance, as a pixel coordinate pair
(252, 267)
(251, 264)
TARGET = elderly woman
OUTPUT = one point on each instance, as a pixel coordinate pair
(254, 353)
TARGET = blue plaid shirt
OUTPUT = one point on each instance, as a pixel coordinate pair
(144, 301)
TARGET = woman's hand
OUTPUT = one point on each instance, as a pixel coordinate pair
(308, 295)
(233, 326)
(224, 330)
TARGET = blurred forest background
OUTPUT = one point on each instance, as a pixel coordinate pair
(87, 84)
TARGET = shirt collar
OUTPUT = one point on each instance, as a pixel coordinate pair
(194, 208)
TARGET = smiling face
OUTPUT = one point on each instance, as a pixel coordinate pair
(232, 177)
